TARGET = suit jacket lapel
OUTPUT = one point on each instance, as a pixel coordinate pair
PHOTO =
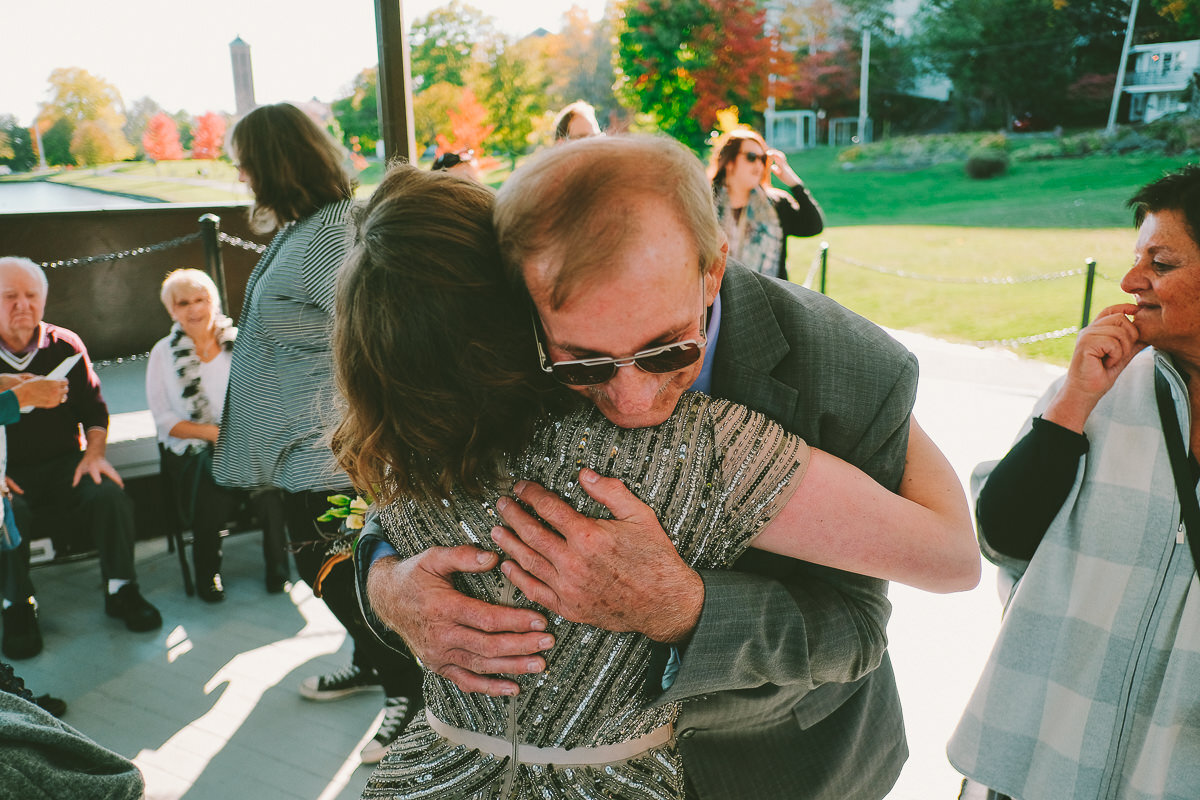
(749, 347)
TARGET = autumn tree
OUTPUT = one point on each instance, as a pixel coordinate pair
(468, 125)
(208, 136)
(137, 117)
(579, 63)
(682, 61)
(161, 139)
(76, 97)
(442, 44)
(358, 112)
(16, 145)
(431, 112)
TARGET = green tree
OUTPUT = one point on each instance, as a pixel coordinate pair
(442, 44)
(358, 112)
(1184, 15)
(514, 90)
(56, 142)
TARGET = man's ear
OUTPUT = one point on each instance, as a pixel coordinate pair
(716, 273)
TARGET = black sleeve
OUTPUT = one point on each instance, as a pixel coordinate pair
(1027, 489)
(799, 214)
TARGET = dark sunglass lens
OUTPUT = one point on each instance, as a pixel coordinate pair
(583, 374)
(677, 357)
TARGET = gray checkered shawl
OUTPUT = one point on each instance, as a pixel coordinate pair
(1092, 689)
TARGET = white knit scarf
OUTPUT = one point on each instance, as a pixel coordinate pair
(187, 366)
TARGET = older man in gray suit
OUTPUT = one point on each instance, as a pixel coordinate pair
(783, 665)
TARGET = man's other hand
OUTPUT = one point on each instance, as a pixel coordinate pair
(622, 574)
(465, 640)
(94, 466)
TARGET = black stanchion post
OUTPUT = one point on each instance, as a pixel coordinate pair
(824, 263)
(210, 232)
(1087, 292)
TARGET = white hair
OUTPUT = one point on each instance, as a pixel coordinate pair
(30, 266)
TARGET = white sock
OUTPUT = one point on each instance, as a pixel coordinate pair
(115, 584)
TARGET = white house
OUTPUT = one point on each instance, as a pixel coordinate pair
(1158, 75)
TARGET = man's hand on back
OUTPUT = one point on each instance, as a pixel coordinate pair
(622, 574)
(462, 639)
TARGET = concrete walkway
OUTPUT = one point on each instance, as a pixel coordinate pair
(208, 706)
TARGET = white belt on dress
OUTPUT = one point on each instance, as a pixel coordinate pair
(559, 756)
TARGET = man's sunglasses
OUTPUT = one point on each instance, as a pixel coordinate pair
(594, 371)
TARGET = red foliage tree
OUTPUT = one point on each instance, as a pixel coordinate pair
(468, 128)
(737, 57)
(828, 79)
(208, 137)
(161, 139)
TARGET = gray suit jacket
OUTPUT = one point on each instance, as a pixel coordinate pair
(788, 689)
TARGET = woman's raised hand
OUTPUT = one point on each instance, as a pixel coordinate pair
(1102, 352)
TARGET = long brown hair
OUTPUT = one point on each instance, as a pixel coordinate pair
(294, 167)
(727, 149)
(433, 347)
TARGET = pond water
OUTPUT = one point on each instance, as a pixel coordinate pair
(46, 196)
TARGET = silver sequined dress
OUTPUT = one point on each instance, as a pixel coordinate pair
(715, 473)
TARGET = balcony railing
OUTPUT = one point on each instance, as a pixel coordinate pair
(1156, 77)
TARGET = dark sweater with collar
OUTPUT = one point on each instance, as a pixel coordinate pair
(47, 433)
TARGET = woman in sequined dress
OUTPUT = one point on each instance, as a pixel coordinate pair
(447, 407)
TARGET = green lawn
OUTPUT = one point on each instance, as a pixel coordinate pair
(1044, 217)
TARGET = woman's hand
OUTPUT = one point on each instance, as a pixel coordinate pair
(781, 169)
(41, 392)
(1102, 352)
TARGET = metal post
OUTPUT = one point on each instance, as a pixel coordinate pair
(824, 263)
(395, 82)
(1087, 293)
(210, 232)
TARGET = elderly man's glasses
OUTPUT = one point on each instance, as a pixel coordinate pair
(655, 360)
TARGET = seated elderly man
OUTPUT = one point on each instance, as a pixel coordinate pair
(51, 466)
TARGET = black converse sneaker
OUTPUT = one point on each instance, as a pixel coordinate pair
(397, 713)
(340, 683)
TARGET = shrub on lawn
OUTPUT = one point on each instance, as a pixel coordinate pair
(987, 162)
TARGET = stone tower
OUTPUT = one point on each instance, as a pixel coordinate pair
(243, 76)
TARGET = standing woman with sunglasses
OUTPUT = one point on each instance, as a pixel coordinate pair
(757, 217)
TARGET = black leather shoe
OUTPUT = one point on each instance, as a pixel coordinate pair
(129, 605)
(22, 636)
(211, 590)
(277, 584)
(51, 705)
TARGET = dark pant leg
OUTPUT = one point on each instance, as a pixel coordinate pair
(398, 673)
(215, 505)
(268, 507)
(101, 508)
(15, 583)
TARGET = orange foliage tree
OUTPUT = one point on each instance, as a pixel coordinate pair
(208, 137)
(161, 139)
(468, 126)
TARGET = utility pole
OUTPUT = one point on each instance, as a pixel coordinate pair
(1112, 110)
(863, 135)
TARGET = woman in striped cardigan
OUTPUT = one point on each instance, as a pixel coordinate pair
(281, 379)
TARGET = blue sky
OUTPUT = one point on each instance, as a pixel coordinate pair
(178, 53)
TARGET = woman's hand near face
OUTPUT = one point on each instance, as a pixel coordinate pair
(781, 168)
(1102, 352)
(41, 392)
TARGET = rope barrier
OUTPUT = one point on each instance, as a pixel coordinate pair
(170, 244)
(242, 243)
(1000, 281)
